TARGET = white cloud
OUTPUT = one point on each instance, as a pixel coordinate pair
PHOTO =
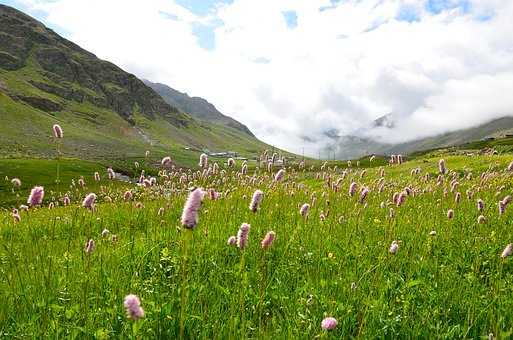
(339, 68)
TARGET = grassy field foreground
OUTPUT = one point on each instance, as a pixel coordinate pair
(334, 262)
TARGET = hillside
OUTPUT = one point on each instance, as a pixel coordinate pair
(354, 147)
(197, 107)
(106, 113)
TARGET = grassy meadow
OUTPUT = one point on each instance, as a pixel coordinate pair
(333, 262)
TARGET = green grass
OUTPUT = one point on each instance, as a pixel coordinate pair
(43, 172)
(453, 285)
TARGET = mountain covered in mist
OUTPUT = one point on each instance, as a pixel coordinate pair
(354, 146)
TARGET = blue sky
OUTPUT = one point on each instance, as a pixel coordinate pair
(205, 31)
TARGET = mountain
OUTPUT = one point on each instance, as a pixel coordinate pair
(106, 113)
(354, 147)
(197, 107)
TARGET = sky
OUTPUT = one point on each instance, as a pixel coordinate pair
(296, 71)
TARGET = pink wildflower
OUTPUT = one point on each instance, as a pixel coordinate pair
(352, 189)
(268, 240)
(507, 251)
(256, 200)
(203, 160)
(242, 235)
(166, 161)
(232, 240)
(111, 173)
(89, 200)
(36, 196)
(279, 175)
(393, 248)
(133, 307)
(57, 131)
(191, 207)
(89, 247)
(329, 323)
(441, 167)
(304, 209)
(127, 196)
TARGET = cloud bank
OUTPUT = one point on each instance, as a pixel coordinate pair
(296, 71)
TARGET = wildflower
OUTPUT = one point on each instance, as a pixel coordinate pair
(502, 208)
(507, 251)
(401, 197)
(450, 214)
(161, 211)
(480, 205)
(256, 200)
(268, 240)
(481, 219)
(242, 235)
(133, 307)
(146, 183)
(89, 247)
(203, 160)
(57, 131)
(393, 248)
(166, 161)
(510, 166)
(147, 153)
(191, 207)
(89, 200)
(352, 189)
(16, 182)
(111, 173)
(96, 176)
(279, 175)
(231, 162)
(36, 196)
(329, 323)
(16, 215)
(66, 201)
(441, 167)
(127, 196)
(432, 233)
(363, 194)
(232, 240)
(105, 232)
(304, 209)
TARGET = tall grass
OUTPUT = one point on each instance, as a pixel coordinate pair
(193, 285)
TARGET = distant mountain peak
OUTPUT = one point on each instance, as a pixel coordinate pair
(197, 107)
(387, 121)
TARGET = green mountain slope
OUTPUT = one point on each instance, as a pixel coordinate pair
(106, 113)
(197, 107)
